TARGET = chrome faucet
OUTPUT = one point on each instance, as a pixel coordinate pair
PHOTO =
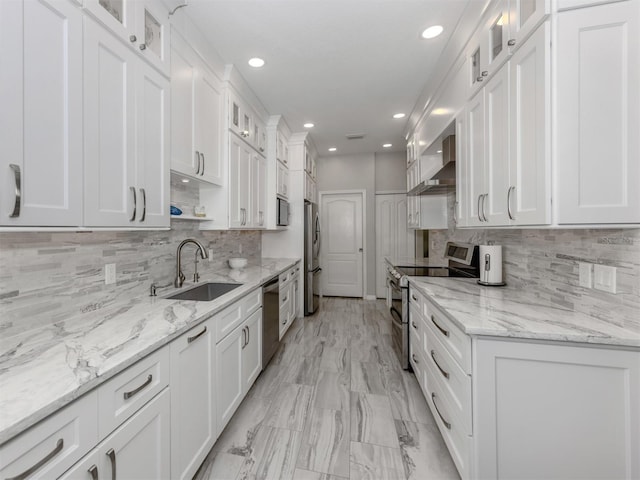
(179, 275)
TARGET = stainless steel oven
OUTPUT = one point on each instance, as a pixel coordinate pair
(397, 301)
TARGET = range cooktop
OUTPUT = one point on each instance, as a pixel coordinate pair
(437, 272)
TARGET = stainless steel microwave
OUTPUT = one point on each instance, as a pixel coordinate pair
(282, 211)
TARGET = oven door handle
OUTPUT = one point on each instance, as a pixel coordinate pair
(396, 314)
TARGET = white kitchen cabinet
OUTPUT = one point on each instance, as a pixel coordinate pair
(126, 181)
(41, 129)
(252, 350)
(495, 176)
(142, 24)
(238, 364)
(240, 157)
(460, 208)
(196, 116)
(193, 402)
(473, 196)
(53, 445)
(310, 189)
(556, 410)
(138, 449)
(289, 304)
(258, 190)
(282, 179)
(528, 193)
(597, 111)
(524, 17)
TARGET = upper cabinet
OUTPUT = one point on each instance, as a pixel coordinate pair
(126, 141)
(196, 116)
(598, 114)
(141, 23)
(524, 16)
(41, 129)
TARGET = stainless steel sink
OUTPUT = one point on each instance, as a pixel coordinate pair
(205, 292)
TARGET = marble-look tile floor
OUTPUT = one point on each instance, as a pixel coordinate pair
(333, 404)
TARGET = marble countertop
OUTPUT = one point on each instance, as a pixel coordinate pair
(42, 371)
(506, 312)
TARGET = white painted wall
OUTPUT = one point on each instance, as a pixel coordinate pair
(391, 173)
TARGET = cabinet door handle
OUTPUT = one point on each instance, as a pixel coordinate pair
(444, 332)
(195, 337)
(485, 73)
(444, 374)
(56, 450)
(479, 79)
(413, 324)
(133, 38)
(433, 399)
(413, 355)
(93, 471)
(143, 193)
(202, 172)
(413, 297)
(143, 46)
(130, 394)
(484, 215)
(511, 189)
(18, 189)
(511, 42)
(198, 162)
(135, 204)
(479, 211)
(112, 457)
(244, 337)
(248, 335)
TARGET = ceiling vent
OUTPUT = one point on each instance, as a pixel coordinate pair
(355, 136)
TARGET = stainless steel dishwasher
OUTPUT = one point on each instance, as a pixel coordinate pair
(270, 320)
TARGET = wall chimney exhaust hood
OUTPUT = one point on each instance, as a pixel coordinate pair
(444, 180)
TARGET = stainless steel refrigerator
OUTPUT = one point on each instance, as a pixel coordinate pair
(311, 258)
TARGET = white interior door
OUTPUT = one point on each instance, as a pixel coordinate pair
(342, 248)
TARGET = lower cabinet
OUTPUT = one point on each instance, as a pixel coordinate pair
(138, 449)
(238, 364)
(193, 413)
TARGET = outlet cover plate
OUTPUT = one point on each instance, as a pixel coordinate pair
(586, 274)
(604, 278)
(110, 273)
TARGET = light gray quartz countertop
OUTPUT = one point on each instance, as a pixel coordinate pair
(42, 371)
(507, 312)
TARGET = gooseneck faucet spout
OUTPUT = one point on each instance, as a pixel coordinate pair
(179, 275)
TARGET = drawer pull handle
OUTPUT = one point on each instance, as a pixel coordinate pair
(93, 471)
(130, 394)
(18, 190)
(446, 424)
(413, 355)
(414, 325)
(195, 337)
(445, 374)
(444, 332)
(112, 457)
(27, 473)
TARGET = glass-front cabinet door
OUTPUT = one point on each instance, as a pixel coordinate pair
(143, 24)
(525, 16)
(495, 38)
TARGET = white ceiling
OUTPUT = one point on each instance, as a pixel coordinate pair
(345, 65)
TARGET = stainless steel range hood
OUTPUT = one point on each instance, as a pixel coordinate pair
(444, 180)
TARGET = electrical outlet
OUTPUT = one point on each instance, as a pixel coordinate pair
(240, 248)
(604, 278)
(110, 273)
(586, 274)
(211, 254)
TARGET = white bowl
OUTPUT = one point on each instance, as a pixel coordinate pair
(237, 262)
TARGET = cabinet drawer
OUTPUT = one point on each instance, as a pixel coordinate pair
(417, 327)
(53, 445)
(127, 392)
(416, 298)
(454, 435)
(455, 382)
(232, 316)
(457, 343)
(418, 362)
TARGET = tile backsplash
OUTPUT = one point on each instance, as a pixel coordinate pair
(49, 277)
(543, 264)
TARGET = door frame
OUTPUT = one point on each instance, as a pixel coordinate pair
(363, 196)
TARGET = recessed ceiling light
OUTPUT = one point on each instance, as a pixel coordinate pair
(308, 125)
(432, 32)
(441, 111)
(439, 151)
(387, 145)
(399, 115)
(256, 62)
(332, 149)
(184, 180)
